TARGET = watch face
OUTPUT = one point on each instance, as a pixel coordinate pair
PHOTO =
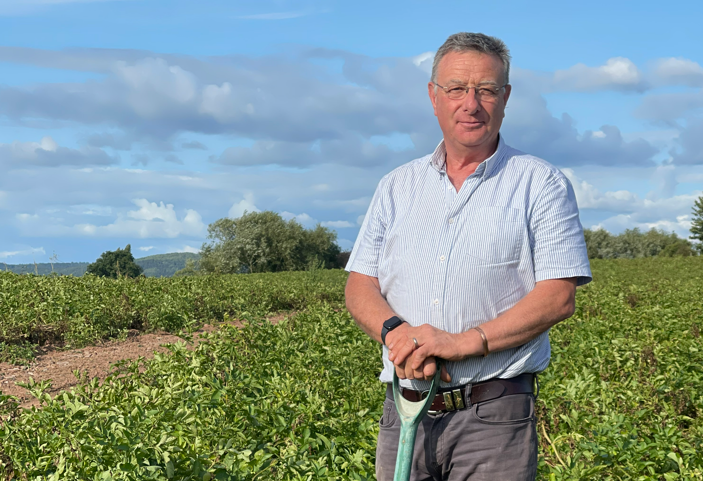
(392, 323)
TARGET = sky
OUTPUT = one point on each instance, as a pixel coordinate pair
(143, 121)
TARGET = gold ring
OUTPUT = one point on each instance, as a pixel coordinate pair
(415, 342)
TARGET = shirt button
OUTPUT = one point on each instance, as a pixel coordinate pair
(441, 258)
(435, 302)
(451, 221)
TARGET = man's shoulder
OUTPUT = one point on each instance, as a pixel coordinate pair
(408, 172)
(517, 160)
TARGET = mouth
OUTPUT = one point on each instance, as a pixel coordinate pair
(471, 123)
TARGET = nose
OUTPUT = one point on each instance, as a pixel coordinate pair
(471, 103)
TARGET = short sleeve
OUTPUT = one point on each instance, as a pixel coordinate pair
(366, 253)
(558, 244)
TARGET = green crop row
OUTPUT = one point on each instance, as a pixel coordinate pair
(77, 311)
(621, 400)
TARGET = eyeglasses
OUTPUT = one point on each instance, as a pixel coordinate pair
(484, 93)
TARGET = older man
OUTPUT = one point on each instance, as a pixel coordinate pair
(470, 255)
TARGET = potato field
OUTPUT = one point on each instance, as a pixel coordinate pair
(300, 400)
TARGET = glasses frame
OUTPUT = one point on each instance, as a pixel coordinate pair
(467, 88)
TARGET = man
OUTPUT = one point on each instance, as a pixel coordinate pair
(470, 255)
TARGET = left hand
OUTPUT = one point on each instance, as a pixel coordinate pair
(432, 342)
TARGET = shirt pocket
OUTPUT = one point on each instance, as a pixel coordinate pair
(496, 235)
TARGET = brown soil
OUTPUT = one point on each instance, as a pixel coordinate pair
(94, 361)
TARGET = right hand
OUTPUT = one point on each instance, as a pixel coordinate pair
(401, 346)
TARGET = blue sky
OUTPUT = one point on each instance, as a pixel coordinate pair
(141, 122)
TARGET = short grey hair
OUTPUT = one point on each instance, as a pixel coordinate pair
(476, 42)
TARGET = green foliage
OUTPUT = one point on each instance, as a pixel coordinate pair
(77, 311)
(44, 269)
(634, 243)
(265, 242)
(697, 224)
(300, 400)
(165, 265)
(160, 265)
(115, 264)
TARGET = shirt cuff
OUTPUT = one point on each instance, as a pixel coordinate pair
(583, 275)
(371, 271)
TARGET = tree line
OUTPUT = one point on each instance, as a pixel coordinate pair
(265, 242)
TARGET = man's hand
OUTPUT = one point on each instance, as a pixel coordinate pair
(420, 363)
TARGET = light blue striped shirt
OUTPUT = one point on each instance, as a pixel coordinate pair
(458, 259)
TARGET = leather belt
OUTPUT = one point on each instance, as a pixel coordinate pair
(453, 398)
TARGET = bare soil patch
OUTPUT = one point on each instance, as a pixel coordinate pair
(94, 361)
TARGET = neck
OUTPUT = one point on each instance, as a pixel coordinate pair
(460, 157)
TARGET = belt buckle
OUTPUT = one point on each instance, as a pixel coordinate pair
(423, 395)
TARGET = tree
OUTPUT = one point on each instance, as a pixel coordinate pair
(115, 264)
(697, 224)
(265, 242)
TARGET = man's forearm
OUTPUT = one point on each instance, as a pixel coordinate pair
(547, 304)
(366, 304)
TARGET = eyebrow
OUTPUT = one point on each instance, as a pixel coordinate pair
(461, 82)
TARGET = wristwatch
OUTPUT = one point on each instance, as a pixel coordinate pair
(389, 325)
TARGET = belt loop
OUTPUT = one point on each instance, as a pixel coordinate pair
(467, 392)
(537, 384)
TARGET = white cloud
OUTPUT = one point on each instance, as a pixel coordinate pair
(3, 198)
(146, 248)
(678, 71)
(618, 73)
(337, 224)
(303, 219)
(48, 153)
(151, 220)
(360, 219)
(192, 250)
(244, 205)
(633, 211)
(29, 251)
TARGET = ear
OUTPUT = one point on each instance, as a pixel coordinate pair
(433, 96)
(506, 96)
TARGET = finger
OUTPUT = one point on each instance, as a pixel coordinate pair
(419, 357)
(429, 368)
(445, 374)
(401, 353)
(409, 371)
(400, 372)
(418, 373)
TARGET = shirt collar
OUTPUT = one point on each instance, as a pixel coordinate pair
(438, 159)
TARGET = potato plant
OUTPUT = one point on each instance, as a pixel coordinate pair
(300, 400)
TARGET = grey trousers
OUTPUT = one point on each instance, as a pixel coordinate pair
(495, 440)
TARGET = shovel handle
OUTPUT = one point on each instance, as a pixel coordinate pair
(410, 414)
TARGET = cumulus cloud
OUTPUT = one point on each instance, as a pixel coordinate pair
(618, 73)
(690, 143)
(47, 153)
(530, 126)
(678, 71)
(150, 220)
(634, 211)
(190, 249)
(244, 205)
(146, 248)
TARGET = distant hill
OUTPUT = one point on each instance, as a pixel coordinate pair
(160, 265)
(63, 268)
(165, 265)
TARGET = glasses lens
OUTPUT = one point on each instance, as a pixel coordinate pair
(456, 93)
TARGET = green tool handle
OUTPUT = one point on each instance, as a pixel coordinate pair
(410, 413)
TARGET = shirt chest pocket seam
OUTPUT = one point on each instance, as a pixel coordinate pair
(495, 235)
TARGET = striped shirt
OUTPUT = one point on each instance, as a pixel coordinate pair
(458, 259)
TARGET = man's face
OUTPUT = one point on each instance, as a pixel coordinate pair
(470, 122)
